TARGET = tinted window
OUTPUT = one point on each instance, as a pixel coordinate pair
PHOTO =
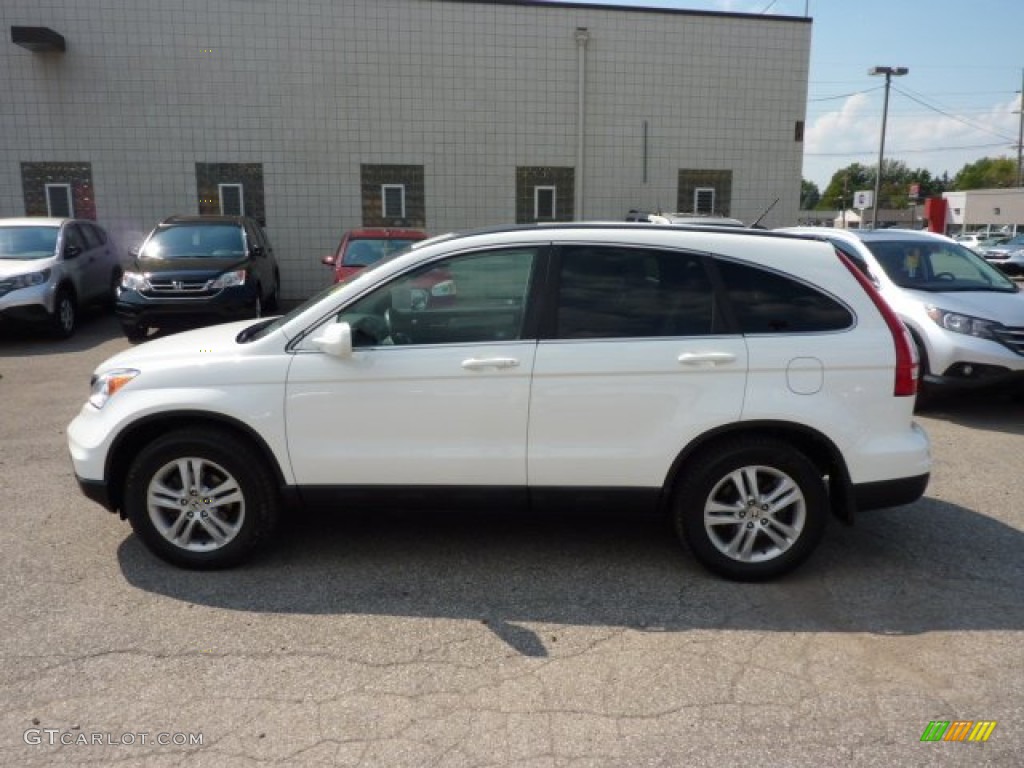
(93, 236)
(201, 241)
(73, 236)
(610, 292)
(766, 302)
(470, 298)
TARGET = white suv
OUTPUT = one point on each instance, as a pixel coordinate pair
(966, 317)
(748, 385)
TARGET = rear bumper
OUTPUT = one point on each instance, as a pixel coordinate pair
(889, 493)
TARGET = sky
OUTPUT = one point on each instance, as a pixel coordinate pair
(959, 102)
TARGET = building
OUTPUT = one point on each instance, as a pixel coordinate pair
(984, 210)
(320, 115)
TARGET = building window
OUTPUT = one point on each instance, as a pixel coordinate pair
(58, 189)
(704, 200)
(543, 203)
(392, 199)
(231, 199)
(231, 189)
(544, 193)
(393, 195)
(704, 191)
(58, 200)
(798, 131)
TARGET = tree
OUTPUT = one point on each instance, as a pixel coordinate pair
(895, 189)
(987, 173)
(809, 195)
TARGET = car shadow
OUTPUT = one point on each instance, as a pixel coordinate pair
(96, 326)
(999, 410)
(930, 566)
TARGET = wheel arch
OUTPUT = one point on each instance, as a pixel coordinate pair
(131, 440)
(817, 447)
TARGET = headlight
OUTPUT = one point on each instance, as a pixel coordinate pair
(957, 323)
(106, 385)
(27, 281)
(229, 279)
(135, 281)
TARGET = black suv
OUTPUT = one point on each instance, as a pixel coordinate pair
(197, 270)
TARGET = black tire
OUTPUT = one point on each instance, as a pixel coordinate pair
(274, 300)
(258, 310)
(134, 332)
(779, 537)
(65, 314)
(243, 518)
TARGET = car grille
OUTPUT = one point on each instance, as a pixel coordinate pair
(1012, 338)
(182, 288)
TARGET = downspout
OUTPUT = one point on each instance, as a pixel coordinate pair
(582, 36)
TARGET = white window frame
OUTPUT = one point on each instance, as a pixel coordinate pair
(67, 191)
(241, 197)
(384, 211)
(536, 201)
(696, 198)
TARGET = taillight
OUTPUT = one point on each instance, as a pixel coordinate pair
(905, 384)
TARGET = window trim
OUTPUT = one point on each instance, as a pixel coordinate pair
(66, 186)
(241, 197)
(385, 213)
(537, 190)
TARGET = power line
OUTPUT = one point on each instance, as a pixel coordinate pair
(951, 116)
(871, 152)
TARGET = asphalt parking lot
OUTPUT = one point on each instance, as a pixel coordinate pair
(412, 641)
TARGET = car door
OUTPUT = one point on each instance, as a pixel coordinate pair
(99, 260)
(632, 364)
(75, 261)
(436, 391)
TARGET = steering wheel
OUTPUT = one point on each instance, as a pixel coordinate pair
(389, 323)
(945, 276)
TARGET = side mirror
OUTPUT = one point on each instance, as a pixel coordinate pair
(72, 251)
(257, 252)
(328, 261)
(335, 340)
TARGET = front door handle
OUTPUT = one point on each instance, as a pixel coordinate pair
(481, 363)
(706, 359)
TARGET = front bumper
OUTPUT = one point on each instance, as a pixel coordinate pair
(235, 303)
(32, 304)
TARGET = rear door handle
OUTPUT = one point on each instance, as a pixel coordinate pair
(706, 359)
(482, 363)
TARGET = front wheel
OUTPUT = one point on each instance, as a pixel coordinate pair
(752, 510)
(200, 499)
(65, 314)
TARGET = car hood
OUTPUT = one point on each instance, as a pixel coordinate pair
(1005, 308)
(215, 341)
(201, 265)
(12, 267)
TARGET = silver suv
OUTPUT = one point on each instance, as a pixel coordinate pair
(966, 316)
(50, 267)
(747, 385)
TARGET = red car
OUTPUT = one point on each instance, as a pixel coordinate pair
(359, 248)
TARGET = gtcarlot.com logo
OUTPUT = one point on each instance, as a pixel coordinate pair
(958, 730)
(56, 737)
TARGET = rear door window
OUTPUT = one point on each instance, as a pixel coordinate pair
(767, 302)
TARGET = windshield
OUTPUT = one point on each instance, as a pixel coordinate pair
(27, 243)
(366, 251)
(213, 241)
(937, 265)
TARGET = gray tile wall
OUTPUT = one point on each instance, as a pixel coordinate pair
(314, 89)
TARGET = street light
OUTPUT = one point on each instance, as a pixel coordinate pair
(889, 72)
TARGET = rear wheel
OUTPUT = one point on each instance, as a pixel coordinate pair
(274, 300)
(752, 509)
(200, 498)
(65, 314)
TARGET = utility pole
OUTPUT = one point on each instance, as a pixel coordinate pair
(1020, 134)
(889, 72)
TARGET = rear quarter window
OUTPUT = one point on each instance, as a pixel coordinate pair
(763, 301)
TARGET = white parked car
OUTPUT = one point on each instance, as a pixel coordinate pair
(747, 385)
(966, 316)
(49, 267)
